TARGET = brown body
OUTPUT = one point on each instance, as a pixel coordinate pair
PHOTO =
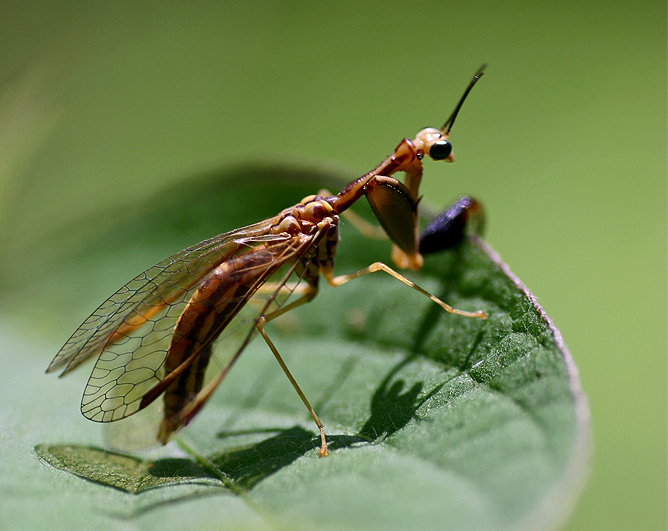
(157, 335)
(219, 298)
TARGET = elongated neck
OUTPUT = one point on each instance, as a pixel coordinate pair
(403, 158)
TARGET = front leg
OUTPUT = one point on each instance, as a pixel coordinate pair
(447, 230)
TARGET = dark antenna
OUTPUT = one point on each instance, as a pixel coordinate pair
(450, 121)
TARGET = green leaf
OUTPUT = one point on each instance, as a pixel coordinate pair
(434, 420)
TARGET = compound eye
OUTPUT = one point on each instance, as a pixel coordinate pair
(440, 150)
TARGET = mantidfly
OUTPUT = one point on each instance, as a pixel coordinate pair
(158, 334)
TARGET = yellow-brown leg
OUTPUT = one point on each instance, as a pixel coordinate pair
(310, 292)
(379, 266)
(366, 229)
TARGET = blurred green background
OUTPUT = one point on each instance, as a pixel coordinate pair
(103, 104)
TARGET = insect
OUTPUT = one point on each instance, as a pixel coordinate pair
(176, 329)
(448, 229)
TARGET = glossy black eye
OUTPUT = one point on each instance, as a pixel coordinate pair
(440, 150)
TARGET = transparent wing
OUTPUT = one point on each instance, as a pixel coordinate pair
(150, 293)
(284, 282)
(164, 346)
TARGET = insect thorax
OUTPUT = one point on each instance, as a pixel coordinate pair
(312, 215)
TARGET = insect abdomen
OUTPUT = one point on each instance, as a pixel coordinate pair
(210, 309)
